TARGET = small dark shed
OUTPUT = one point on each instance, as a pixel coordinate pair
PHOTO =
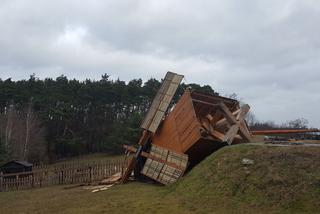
(16, 166)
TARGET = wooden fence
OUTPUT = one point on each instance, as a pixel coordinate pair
(70, 173)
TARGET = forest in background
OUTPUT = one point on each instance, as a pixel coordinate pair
(45, 120)
(50, 119)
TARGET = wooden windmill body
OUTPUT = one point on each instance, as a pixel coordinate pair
(198, 125)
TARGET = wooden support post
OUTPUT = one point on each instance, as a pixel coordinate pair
(208, 127)
(224, 122)
(243, 111)
(143, 140)
(244, 132)
(90, 174)
(231, 134)
(228, 115)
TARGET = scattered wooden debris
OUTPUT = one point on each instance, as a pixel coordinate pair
(112, 179)
(101, 188)
(98, 188)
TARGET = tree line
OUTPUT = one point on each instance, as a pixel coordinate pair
(45, 120)
(49, 119)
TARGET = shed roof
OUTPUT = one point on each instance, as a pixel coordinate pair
(23, 163)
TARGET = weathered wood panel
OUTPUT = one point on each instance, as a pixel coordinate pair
(162, 171)
(199, 125)
(181, 128)
(161, 102)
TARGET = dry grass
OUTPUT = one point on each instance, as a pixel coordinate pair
(281, 180)
(130, 198)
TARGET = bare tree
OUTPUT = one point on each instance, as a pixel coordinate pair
(34, 144)
(9, 117)
(251, 118)
(23, 134)
(10, 125)
(300, 123)
(29, 118)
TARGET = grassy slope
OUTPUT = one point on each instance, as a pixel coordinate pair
(281, 180)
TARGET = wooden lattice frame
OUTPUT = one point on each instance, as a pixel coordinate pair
(232, 125)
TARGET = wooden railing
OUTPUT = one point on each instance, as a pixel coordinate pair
(69, 173)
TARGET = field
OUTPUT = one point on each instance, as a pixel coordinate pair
(281, 180)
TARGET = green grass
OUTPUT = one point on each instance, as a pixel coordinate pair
(281, 180)
(130, 198)
(89, 158)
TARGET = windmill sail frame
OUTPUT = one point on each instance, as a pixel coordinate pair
(161, 102)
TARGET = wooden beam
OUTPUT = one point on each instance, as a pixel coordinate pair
(214, 98)
(211, 131)
(234, 124)
(143, 140)
(231, 134)
(224, 121)
(148, 155)
(243, 112)
(218, 135)
(214, 118)
(203, 110)
(128, 170)
(244, 132)
(228, 115)
(206, 103)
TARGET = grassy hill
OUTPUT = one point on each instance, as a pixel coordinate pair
(280, 180)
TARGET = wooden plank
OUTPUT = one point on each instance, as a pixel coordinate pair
(213, 98)
(224, 122)
(244, 132)
(231, 133)
(163, 171)
(220, 136)
(143, 140)
(148, 155)
(176, 133)
(205, 103)
(243, 111)
(228, 115)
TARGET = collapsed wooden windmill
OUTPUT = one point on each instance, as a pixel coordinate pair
(198, 125)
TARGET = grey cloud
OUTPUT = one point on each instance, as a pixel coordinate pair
(266, 51)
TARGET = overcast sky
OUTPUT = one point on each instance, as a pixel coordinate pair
(267, 52)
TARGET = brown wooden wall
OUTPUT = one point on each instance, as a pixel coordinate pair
(181, 129)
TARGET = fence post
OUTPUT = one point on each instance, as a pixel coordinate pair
(90, 174)
(1, 182)
(32, 181)
(62, 176)
(17, 182)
